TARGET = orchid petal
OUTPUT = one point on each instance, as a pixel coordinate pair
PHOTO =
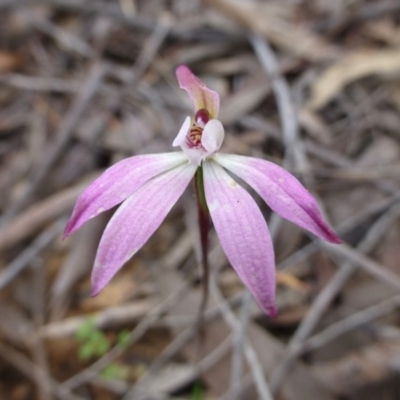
(202, 97)
(181, 137)
(243, 234)
(136, 220)
(117, 183)
(281, 191)
(213, 136)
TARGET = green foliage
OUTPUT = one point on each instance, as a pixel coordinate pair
(116, 371)
(94, 343)
(197, 392)
(124, 339)
(85, 330)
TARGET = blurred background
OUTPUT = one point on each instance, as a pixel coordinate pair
(313, 85)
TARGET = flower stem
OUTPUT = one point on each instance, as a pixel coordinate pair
(204, 224)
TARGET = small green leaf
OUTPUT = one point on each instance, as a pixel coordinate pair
(86, 330)
(116, 371)
(197, 392)
(103, 346)
(123, 339)
(86, 351)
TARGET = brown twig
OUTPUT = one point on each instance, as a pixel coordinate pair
(326, 296)
(27, 256)
(250, 354)
(63, 135)
(29, 369)
(39, 214)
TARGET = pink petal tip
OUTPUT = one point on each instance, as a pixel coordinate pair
(272, 312)
(202, 97)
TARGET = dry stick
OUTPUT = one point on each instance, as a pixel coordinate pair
(350, 323)
(127, 313)
(150, 49)
(110, 10)
(27, 223)
(64, 37)
(369, 369)
(237, 357)
(144, 59)
(368, 12)
(294, 154)
(169, 352)
(102, 8)
(36, 345)
(116, 386)
(326, 296)
(251, 356)
(361, 174)
(184, 337)
(172, 349)
(340, 278)
(373, 268)
(333, 158)
(176, 346)
(138, 332)
(39, 83)
(128, 7)
(178, 252)
(295, 151)
(22, 261)
(75, 266)
(29, 369)
(63, 135)
(237, 381)
(107, 9)
(287, 112)
(344, 227)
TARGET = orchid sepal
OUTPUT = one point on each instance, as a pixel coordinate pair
(117, 183)
(281, 191)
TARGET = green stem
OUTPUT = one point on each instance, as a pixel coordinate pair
(201, 196)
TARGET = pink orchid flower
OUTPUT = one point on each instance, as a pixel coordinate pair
(149, 185)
